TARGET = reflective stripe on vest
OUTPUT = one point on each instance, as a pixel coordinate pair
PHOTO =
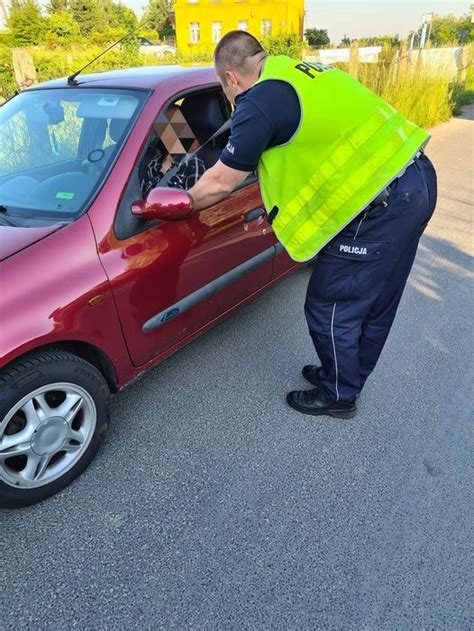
(339, 159)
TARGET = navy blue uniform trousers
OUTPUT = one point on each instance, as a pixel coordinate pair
(358, 281)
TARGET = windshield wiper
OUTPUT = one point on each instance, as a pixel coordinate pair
(3, 219)
(6, 222)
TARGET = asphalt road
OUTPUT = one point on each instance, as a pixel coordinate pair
(213, 505)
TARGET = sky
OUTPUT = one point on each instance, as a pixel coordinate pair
(363, 18)
(358, 18)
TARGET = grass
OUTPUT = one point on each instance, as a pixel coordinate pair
(463, 93)
(424, 99)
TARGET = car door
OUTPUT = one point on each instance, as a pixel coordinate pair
(170, 278)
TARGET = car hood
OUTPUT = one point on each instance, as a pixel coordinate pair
(13, 239)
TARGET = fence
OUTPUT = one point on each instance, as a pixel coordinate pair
(446, 62)
(365, 54)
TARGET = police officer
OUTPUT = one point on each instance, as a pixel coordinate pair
(343, 176)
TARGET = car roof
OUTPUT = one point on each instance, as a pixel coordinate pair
(145, 77)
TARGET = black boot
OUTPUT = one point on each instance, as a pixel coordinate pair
(311, 374)
(308, 402)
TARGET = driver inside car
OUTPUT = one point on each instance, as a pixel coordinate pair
(172, 140)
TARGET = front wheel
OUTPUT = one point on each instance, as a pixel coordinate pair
(54, 407)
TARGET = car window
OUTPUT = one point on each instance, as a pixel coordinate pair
(14, 133)
(56, 146)
(64, 136)
(38, 142)
(179, 131)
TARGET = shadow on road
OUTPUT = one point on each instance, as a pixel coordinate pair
(435, 254)
(467, 113)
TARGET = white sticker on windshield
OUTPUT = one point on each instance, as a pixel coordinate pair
(109, 101)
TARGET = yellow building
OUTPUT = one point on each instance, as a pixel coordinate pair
(201, 23)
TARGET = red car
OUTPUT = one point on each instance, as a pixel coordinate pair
(103, 274)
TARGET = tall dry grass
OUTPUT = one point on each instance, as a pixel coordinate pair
(424, 97)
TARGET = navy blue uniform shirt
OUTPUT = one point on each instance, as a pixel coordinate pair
(266, 115)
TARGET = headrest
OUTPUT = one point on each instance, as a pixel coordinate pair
(204, 114)
(117, 127)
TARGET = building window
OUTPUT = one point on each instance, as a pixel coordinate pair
(266, 28)
(243, 25)
(216, 31)
(194, 33)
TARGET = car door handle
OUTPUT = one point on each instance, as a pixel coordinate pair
(254, 214)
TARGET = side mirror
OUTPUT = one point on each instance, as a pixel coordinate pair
(164, 203)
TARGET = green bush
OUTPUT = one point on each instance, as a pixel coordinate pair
(6, 38)
(66, 61)
(200, 54)
(26, 23)
(62, 25)
(318, 38)
(463, 90)
(7, 81)
(283, 44)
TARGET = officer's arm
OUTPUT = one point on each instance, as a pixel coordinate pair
(216, 183)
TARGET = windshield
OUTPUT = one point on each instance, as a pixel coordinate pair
(56, 147)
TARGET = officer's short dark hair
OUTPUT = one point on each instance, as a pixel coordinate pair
(235, 51)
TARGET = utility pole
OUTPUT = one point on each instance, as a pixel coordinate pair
(3, 13)
(426, 21)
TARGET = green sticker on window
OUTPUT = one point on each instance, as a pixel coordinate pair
(62, 195)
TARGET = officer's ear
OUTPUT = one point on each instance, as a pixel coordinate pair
(231, 78)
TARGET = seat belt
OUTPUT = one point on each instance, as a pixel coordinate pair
(185, 159)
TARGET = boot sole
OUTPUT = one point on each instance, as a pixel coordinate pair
(345, 414)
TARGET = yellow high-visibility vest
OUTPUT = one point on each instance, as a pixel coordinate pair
(349, 146)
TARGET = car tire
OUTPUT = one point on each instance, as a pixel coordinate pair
(54, 408)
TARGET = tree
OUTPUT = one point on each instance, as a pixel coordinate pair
(60, 27)
(166, 30)
(126, 20)
(125, 17)
(88, 16)
(383, 40)
(157, 13)
(26, 22)
(449, 29)
(346, 41)
(317, 37)
(56, 6)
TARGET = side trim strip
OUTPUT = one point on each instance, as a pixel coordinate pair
(334, 350)
(203, 293)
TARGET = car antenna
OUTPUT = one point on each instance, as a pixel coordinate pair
(71, 80)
